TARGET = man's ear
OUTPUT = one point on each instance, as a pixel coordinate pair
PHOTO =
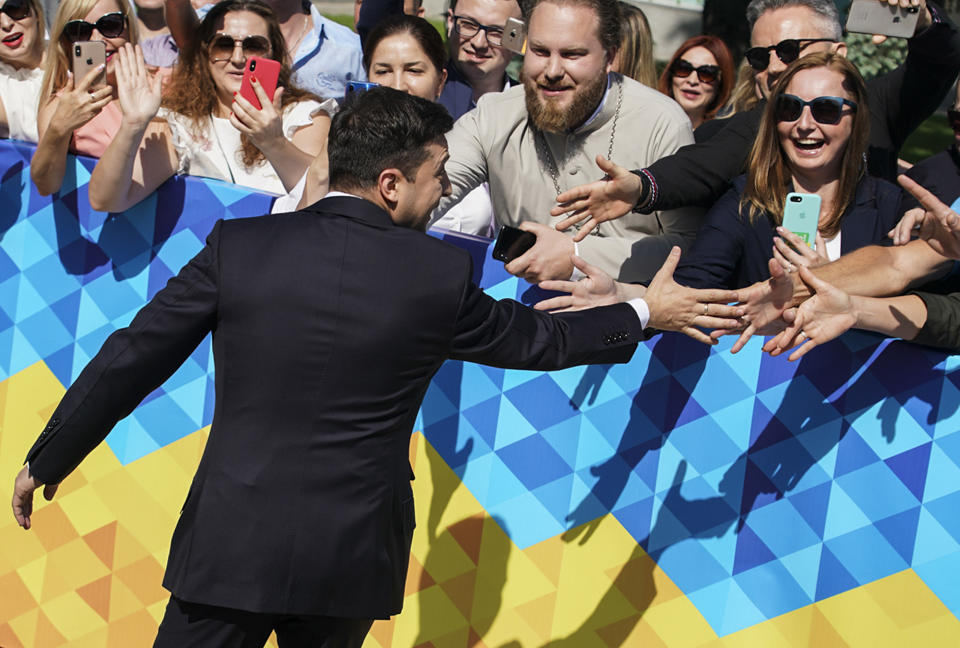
(839, 48)
(388, 185)
(449, 23)
(611, 57)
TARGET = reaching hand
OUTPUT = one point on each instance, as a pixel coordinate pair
(138, 92)
(264, 126)
(939, 225)
(549, 258)
(763, 304)
(906, 227)
(826, 315)
(23, 488)
(596, 289)
(606, 199)
(792, 252)
(677, 308)
(78, 105)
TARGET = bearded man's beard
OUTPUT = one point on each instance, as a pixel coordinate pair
(548, 116)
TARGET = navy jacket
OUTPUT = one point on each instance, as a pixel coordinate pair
(731, 252)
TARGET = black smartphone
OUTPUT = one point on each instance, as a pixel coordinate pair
(511, 243)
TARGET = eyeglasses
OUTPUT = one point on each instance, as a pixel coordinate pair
(109, 25)
(468, 28)
(706, 73)
(787, 51)
(222, 46)
(16, 9)
(953, 116)
(825, 110)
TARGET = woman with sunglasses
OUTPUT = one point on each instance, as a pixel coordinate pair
(699, 77)
(21, 68)
(205, 127)
(79, 115)
(812, 139)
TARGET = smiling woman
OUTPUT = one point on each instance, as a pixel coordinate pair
(79, 115)
(812, 140)
(21, 68)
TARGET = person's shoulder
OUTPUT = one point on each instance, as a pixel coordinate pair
(334, 30)
(500, 112)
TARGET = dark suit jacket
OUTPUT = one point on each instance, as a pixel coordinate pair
(731, 252)
(328, 325)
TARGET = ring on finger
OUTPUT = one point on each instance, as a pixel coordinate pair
(706, 307)
(801, 336)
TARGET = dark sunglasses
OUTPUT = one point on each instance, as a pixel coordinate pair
(16, 9)
(468, 28)
(706, 73)
(109, 25)
(825, 110)
(953, 116)
(222, 46)
(787, 51)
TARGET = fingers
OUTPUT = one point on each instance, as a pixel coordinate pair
(558, 285)
(815, 284)
(926, 199)
(717, 296)
(584, 267)
(743, 339)
(49, 490)
(576, 214)
(585, 229)
(820, 246)
(563, 302)
(802, 350)
(260, 92)
(715, 322)
(89, 78)
(577, 193)
(720, 310)
(669, 265)
(904, 229)
(698, 335)
(608, 167)
(782, 260)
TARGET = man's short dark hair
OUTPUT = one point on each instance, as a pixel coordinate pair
(828, 18)
(382, 129)
(608, 15)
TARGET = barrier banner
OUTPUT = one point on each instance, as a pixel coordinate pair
(692, 497)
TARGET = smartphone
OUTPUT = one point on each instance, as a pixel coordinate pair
(511, 243)
(801, 215)
(358, 87)
(266, 71)
(873, 17)
(514, 36)
(86, 56)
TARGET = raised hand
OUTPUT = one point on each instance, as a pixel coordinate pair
(677, 308)
(265, 126)
(606, 199)
(596, 289)
(827, 314)
(938, 225)
(139, 92)
(763, 305)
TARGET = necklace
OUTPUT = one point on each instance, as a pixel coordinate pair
(303, 32)
(540, 142)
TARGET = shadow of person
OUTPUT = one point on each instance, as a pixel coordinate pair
(655, 410)
(476, 592)
(11, 195)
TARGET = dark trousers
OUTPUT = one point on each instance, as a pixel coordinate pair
(192, 625)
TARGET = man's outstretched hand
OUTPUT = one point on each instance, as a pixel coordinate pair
(763, 306)
(23, 489)
(606, 199)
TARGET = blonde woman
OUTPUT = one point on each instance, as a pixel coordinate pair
(21, 68)
(635, 56)
(75, 115)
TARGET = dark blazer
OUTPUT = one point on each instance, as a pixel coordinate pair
(732, 252)
(699, 174)
(940, 174)
(328, 325)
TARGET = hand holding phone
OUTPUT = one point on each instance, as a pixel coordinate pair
(801, 215)
(511, 243)
(87, 55)
(266, 71)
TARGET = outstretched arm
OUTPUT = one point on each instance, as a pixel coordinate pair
(182, 21)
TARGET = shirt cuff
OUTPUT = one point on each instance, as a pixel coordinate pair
(577, 275)
(639, 304)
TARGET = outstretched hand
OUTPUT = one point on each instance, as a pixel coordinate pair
(596, 289)
(677, 308)
(763, 305)
(606, 199)
(938, 225)
(827, 314)
(139, 92)
(23, 488)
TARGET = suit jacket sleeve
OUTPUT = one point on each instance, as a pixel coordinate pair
(131, 363)
(510, 335)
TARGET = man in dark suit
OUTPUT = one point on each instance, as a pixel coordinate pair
(328, 325)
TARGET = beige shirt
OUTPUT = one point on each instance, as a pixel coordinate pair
(495, 143)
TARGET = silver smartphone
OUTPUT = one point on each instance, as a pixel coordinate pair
(875, 17)
(87, 55)
(514, 36)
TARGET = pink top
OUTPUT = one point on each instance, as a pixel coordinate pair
(93, 137)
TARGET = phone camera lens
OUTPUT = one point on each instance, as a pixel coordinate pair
(794, 198)
(253, 65)
(76, 50)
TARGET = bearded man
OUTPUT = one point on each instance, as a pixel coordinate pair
(533, 142)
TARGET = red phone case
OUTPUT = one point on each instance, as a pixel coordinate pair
(266, 71)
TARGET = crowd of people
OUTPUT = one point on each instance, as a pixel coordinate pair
(702, 157)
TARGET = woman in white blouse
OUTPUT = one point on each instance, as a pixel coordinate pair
(204, 127)
(21, 68)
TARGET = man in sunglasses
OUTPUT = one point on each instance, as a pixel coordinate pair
(780, 32)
